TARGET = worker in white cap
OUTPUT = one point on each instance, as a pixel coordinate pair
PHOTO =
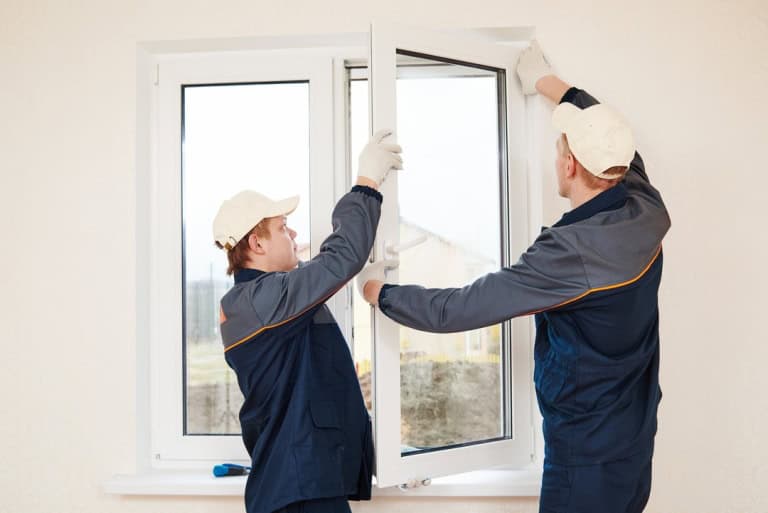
(591, 280)
(304, 422)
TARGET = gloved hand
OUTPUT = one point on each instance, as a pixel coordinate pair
(531, 66)
(375, 271)
(377, 158)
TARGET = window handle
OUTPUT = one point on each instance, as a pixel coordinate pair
(414, 483)
(396, 250)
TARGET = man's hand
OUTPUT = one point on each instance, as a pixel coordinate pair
(378, 158)
(371, 279)
(531, 67)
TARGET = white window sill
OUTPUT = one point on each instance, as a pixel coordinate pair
(484, 483)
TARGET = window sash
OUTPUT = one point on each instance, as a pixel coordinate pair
(392, 467)
(169, 446)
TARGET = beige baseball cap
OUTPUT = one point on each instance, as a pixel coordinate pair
(239, 214)
(599, 136)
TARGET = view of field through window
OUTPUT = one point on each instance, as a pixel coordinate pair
(449, 197)
(235, 137)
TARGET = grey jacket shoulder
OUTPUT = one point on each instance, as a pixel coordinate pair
(615, 246)
(274, 298)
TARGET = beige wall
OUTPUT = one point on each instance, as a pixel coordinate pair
(692, 77)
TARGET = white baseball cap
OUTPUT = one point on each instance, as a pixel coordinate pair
(599, 136)
(239, 214)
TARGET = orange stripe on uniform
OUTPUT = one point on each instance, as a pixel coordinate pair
(600, 289)
(260, 330)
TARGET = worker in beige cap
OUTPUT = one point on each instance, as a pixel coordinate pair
(591, 280)
(304, 421)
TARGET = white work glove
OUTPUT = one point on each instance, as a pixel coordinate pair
(531, 66)
(378, 158)
(375, 271)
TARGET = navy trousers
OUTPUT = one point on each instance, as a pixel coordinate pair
(333, 505)
(621, 486)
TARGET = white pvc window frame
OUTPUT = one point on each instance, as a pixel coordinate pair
(517, 449)
(322, 61)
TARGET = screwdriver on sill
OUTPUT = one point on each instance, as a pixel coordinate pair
(230, 469)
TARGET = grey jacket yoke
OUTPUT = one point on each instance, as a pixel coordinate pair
(565, 263)
(276, 298)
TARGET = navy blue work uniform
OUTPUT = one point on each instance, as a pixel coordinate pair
(592, 280)
(304, 421)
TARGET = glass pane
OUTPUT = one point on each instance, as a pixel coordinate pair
(235, 137)
(448, 125)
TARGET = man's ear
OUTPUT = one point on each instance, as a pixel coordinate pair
(255, 244)
(570, 169)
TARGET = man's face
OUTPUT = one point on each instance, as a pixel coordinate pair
(562, 162)
(280, 249)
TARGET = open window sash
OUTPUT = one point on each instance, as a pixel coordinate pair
(398, 53)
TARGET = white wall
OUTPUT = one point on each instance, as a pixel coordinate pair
(691, 76)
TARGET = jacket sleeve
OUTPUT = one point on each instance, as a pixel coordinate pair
(549, 274)
(282, 296)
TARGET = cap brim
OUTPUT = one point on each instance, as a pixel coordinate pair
(285, 207)
(564, 116)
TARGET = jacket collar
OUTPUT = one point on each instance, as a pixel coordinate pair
(244, 275)
(611, 199)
